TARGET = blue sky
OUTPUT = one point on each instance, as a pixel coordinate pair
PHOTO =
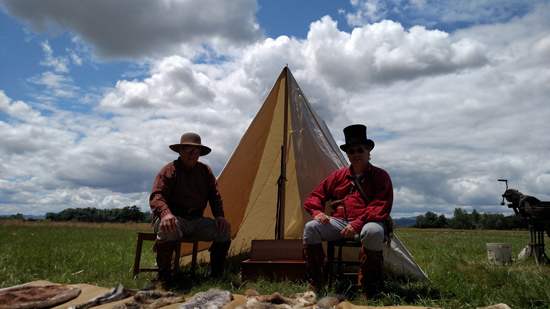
(455, 93)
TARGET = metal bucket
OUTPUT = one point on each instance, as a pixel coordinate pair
(499, 253)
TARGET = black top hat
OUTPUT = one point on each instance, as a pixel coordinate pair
(356, 134)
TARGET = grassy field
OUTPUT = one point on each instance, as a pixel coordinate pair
(103, 254)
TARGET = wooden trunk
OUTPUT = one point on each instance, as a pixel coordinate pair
(275, 260)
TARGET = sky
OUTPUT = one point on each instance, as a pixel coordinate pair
(455, 93)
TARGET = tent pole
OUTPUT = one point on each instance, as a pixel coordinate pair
(280, 233)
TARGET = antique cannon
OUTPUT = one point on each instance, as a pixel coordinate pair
(537, 215)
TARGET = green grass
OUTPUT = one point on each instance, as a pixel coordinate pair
(103, 255)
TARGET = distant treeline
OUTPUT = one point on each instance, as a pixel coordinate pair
(474, 221)
(461, 219)
(120, 215)
(13, 217)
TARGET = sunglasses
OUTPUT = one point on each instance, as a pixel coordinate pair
(358, 150)
(192, 150)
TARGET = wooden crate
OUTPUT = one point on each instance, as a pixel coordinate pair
(276, 260)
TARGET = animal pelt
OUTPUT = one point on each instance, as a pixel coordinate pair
(151, 300)
(45, 296)
(330, 302)
(278, 301)
(497, 306)
(115, 294)
(142, 299)
(211, 299)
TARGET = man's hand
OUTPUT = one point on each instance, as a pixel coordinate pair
(322, 218)
(222, 224)
(348, 232)
(169, 223)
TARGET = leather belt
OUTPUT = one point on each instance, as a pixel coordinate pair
(191, 214)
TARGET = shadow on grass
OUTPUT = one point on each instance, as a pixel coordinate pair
(398, 290)
(187, 283)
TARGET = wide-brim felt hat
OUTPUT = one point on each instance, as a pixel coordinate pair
(356, 134)
(191, 139)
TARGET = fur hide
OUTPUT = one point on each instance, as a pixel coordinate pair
(329, 302)
(151, 300)
(211, 299)
(143, 299)
(115, 294)
(497, 306)
(278, 301)
(37, 296)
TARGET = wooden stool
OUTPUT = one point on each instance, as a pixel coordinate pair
(340, 263)
(152, 237)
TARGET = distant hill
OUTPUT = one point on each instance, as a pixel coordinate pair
(404, 222)
(27, 217)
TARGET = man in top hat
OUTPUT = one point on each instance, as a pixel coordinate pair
(362, 197)
(179, 197)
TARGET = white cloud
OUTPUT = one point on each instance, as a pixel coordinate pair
(76, 59)
(443, 13)
(450, 112)
(141, 28)
(59, 64)
(17, 109)
(385, 52)
(58, 86)
(172, 83)
(541, 49)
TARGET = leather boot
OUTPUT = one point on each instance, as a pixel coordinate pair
(218, 255)
(164, 251)
(314, 255)
(370, 273)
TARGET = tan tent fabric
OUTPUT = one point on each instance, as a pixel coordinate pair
(248, 182)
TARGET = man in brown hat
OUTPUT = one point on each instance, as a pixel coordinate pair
(362, 198)
(180, 194)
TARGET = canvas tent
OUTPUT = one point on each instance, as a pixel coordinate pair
(285, 153)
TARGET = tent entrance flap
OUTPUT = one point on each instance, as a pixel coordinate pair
(281, 183)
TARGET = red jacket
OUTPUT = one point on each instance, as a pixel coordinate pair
(376, 184)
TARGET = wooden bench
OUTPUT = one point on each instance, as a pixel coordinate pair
(275, 260)
(152, 237)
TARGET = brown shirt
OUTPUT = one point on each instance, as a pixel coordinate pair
(185, 192)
